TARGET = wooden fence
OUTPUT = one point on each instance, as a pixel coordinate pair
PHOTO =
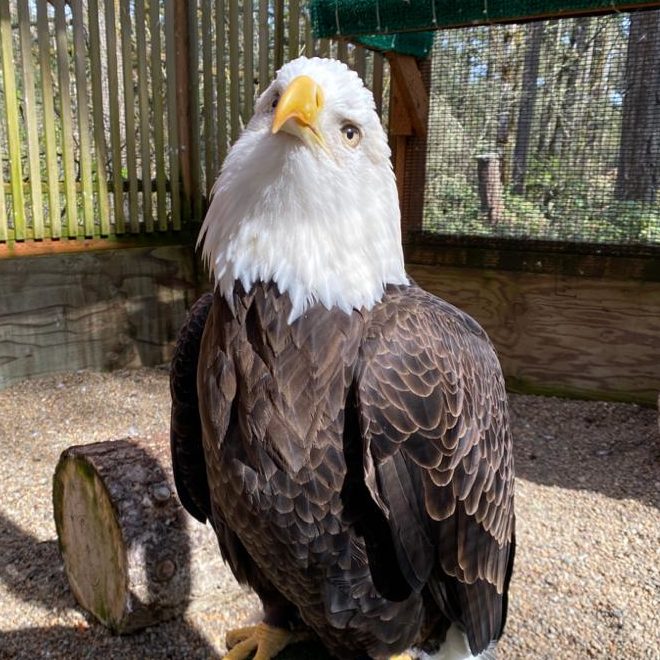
(115, 116)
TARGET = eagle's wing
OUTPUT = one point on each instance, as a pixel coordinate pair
(185, 428)
(438, 457)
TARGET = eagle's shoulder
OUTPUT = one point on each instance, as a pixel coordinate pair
(413, 305)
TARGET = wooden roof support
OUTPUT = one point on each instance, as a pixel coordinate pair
(408, 124)
(411, 90)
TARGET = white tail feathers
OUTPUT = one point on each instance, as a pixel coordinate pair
(456, 647)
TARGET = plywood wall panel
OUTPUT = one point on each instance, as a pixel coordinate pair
(97, 310)
(565, 335)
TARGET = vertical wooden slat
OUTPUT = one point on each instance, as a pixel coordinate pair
(294, 29)
(248, 61)
(129, 113)
(100, 149)
(264, 49)
(172, 124)
(30, 116)
(221, 68)
(4, 233)
(52, 175)
(143, 104)
(377, 82)
(194, 111)
(83, 117)
(183, 103)
(157, 96)
(113, 96)
(324, 47)
(234, 71)
(342, 50)
(209, 135)
(11, 110)
(278, 55)
(66, 121)
(309, 37)
(4, 229)
(360, 61)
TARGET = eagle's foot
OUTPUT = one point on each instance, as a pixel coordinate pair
(266, 640)
(402, 656)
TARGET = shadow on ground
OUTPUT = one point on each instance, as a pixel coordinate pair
(32, 570)
(610, 448)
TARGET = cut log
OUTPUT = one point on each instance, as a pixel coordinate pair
(122, 533)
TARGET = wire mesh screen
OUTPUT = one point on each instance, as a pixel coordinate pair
(547, 130)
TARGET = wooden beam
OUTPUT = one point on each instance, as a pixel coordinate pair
(399, 119)
(537, 257)
(407, 78)
(408, 115)
(39, 248)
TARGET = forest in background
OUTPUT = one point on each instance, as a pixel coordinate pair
(547, 130)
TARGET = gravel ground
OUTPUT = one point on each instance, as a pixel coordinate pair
(587, 577)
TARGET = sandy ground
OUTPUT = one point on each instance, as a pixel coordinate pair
(587, 577)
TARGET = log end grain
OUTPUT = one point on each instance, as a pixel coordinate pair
(90, 541)
(122, 533)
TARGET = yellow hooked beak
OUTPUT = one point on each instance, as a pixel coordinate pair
(298, 110)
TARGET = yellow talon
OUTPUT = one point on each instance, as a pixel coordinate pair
(402, 656)
(267, 640)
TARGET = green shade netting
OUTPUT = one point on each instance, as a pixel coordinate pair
(377, 23)
(417, 44)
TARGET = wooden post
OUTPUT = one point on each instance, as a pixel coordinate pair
(409, 106)
(490, 187)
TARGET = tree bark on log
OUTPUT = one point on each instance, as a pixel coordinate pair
(122, 532)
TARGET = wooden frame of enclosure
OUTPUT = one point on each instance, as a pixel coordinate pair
(567, 319)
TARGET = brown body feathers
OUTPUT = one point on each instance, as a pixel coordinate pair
(357, 468)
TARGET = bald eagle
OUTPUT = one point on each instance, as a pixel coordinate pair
(345, 433)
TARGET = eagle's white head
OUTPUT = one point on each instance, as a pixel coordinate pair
(307, 197)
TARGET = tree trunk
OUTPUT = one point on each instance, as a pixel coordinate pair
(490, 187)
(526, 111)
(508, 76)
(595, 121)
(564, 125)
(552, 81)
(123, 535)
(639, 151)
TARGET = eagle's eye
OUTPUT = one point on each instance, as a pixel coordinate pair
(275, 101)
(351, 135)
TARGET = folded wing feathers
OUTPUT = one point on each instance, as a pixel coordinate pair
(431, 390)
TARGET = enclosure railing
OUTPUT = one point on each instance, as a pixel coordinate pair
(115, 116)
